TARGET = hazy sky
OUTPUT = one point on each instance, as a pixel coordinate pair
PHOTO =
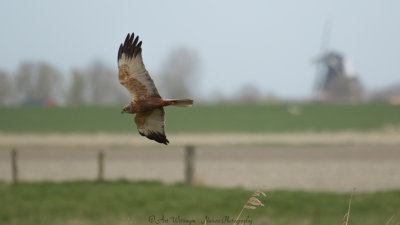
(270, 44)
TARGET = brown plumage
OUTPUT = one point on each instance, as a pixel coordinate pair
(146, 102)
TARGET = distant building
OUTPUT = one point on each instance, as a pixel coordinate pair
(44, 101)
(334, 83)
(390, 94)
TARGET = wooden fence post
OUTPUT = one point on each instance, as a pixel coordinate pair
(14, 166)
(100, 168)
(189, 164)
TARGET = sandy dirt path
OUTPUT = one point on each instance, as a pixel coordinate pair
(333, 168)
(104, 140)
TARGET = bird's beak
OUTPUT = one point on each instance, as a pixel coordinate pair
(122, 112)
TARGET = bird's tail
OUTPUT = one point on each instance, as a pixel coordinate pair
(180, 102)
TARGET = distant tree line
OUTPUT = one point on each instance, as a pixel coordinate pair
(32, 83)
(40, 83)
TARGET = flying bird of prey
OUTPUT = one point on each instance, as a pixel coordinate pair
(146, 102)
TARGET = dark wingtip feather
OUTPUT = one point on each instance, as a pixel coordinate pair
(160, 138)
(130, 47)
(127, 38)
(119, 52)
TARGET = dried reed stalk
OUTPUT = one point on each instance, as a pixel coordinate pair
(347, 215)
(251, 203)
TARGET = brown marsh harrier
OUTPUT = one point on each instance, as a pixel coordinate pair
(146, 102)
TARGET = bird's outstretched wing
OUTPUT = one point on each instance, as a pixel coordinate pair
(151, 124)
(132, 72)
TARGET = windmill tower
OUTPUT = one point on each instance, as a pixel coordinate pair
(319, 72)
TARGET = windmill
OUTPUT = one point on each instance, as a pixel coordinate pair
(333, 81)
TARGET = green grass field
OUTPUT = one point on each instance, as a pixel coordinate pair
(128, 203)
(206, 118)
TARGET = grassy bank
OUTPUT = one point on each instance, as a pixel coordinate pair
(206, 118)
(122, 202)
